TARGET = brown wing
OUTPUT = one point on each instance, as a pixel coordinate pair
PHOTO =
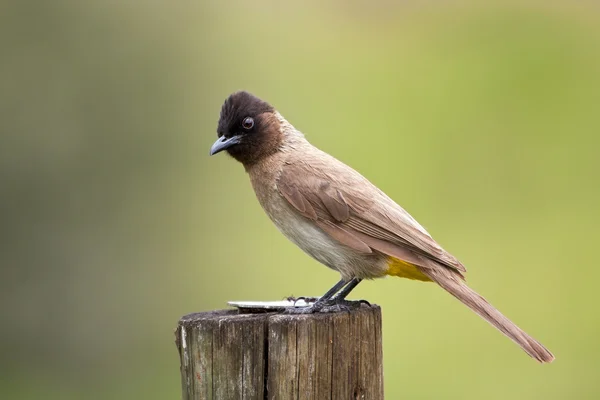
(356, 213)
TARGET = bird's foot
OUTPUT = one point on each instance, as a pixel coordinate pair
(339, 305)
(330, 306)
(306, 299)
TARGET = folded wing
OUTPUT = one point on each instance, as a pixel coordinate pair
(357, 214)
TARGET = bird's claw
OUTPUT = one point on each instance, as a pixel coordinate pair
(306, 299)
(331, 306)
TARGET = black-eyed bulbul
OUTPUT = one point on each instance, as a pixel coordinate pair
(340, 218)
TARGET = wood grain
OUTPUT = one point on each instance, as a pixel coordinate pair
(230, 355)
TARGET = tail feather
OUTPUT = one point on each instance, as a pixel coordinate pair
(454, 284)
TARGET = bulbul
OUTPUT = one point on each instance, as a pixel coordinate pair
(340, 218)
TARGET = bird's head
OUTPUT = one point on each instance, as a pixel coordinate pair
(248, 129)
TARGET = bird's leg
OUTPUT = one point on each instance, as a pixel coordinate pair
(347, 289)
(340, 301)
(334, 300)
(327, 296)
(321, 302)
(338, 287)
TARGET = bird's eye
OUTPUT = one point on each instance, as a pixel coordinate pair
(248, 123)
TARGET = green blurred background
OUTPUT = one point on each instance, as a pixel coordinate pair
(482, 120)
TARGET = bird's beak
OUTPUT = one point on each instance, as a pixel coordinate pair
(223, 143)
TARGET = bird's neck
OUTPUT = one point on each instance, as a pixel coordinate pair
(290, 134)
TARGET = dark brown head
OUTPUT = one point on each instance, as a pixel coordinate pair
(248, 129)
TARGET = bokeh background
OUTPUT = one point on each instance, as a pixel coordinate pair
(482, 120)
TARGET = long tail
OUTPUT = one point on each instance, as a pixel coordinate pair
(455, 285)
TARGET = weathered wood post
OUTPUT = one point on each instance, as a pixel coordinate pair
(229, 355)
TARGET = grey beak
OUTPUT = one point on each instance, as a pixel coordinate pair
(223, 143)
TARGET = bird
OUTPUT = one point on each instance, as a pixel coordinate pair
(340, 218)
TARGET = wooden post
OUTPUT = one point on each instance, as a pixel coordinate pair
(232, 355)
